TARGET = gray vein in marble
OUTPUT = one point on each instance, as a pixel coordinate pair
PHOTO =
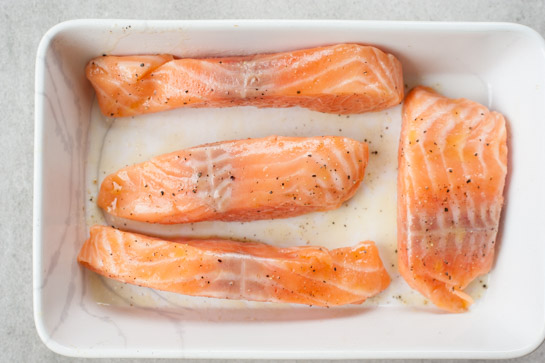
(104, 318)
(51, 266)
(60, 130)
(169, 302)
(171, 317)
(64, 311)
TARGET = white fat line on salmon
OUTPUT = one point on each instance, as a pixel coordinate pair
(234, 256)
(501, 136)
(222, 276)
(150, 62)
(495, 211)
(441, 242)
(333, 174)
(359, 79)
(320, 75)
(152, 100)
(454, 207)
(243, 276)
(247, 73)
(484, 211)
(384, 69)
(424, 109)
(142, 67)
(470, 244)
(361, 269)
(123, 240)
(486, 245)
(312, 56)
(329, 283)
(228, 257)
(347, 266)
(116, 187)
(414, 198)
(450, 230)
(106, 244)
(487, 217)
(143, 246)
(214, 68)
(112, 207)
(123, 175)
(391, 70)
(161, 281)
(482, 139)
(159, 260)
(220, 192)
(408, 200)
(286, 164)
(160, 89)
(121, 87)
(260, 294)
(355, 158)
(240, 276)
(443, 279)
(105, 247)
(103, 93)
(421, 105)
(325, 187)
(169, 172)
(432, 245)
(459, 236)
(190, 77)
(219, 79)
(126, 69)
(345, 165)
(469, 202)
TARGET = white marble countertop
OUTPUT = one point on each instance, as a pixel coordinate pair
(21, 26)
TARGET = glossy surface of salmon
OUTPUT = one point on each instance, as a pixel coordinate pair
(343, 79)
(238, 270)
(452, 168)
(241, 180)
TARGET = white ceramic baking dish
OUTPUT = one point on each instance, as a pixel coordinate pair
(506, 60)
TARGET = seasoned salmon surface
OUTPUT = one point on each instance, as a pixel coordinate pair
(241, 180)
(238, 270)
(342, 79)
(452, 169)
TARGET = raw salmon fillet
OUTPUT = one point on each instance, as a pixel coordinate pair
(238, 270)
(241, 180)
(452, 168)
(342, 79)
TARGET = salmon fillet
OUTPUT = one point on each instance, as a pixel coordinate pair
(241, 180)
(342, 79)
(237, 270)
(452, 169)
